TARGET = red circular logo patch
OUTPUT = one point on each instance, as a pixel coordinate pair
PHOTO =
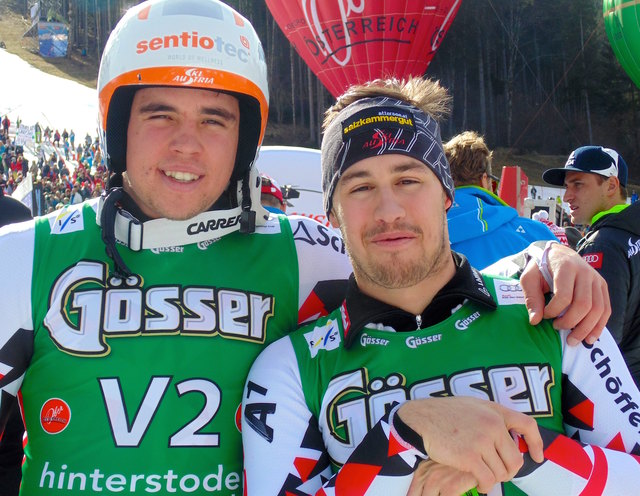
(55, 415)
(239, 417)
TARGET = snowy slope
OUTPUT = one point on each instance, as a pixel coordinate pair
(35, 96)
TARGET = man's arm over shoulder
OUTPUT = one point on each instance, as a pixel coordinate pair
(601, 412)
(16, 327)
(323, 267)
(580, 298)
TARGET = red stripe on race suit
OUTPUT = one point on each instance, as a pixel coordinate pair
(313, 307)
(395, 446)
(304, 466)
(570, 455)
(355, 478)
(616, 443)
(598, 479)
(522, 445)
(584, 412)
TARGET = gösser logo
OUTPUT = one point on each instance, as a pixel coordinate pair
(414, 342)
(463, 324)
(55, 415)
(366, 340)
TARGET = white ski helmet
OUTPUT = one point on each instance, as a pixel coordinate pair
(185, 44)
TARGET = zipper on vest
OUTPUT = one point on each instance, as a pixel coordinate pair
(419, 321)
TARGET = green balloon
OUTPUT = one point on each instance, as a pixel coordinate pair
(622, 23)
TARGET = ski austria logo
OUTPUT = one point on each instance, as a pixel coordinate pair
(194, 75)
(66, 221)
(508, 292)
(55, 415)
(634, 248)
(480, 283)
(463, 324)
(346, 321)
(326, 337)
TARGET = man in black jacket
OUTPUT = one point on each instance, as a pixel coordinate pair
(11, 210)
(596, 180)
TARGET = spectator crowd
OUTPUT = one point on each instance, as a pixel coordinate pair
(64, 171)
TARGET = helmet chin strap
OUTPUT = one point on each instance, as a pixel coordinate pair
(248, 216)
(105, 216)
(119, 226)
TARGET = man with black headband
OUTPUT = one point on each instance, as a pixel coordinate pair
(402, 371)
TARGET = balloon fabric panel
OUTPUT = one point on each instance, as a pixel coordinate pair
(622, 23)
(353, 41)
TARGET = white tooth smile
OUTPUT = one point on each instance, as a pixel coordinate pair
(181, 176)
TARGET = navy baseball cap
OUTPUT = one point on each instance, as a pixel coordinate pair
(594, 159)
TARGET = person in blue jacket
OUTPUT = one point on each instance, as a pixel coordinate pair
(481, 225)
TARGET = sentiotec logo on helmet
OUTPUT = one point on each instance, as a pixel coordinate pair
(197, 41)
(196, 44)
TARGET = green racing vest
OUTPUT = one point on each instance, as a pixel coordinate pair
(134, 387)
(470, 353)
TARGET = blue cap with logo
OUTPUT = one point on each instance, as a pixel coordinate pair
(593, 159)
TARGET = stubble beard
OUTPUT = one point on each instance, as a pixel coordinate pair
(396, 272)
(580, 220)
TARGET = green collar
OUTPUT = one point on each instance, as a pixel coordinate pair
(613, 210)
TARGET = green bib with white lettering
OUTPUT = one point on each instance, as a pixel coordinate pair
(490, 354)
(135, 386)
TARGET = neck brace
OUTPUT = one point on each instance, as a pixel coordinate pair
(161, 233)
(212, 224)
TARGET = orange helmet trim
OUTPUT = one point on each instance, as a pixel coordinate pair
(185, 77)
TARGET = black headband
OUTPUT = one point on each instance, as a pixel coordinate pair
(379, 126)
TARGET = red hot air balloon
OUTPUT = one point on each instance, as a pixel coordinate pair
(353, 41)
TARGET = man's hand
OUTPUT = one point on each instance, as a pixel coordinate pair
(434, 479)
(473, 435)
(581, 298)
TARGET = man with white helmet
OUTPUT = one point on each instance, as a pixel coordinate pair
(129, 322)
